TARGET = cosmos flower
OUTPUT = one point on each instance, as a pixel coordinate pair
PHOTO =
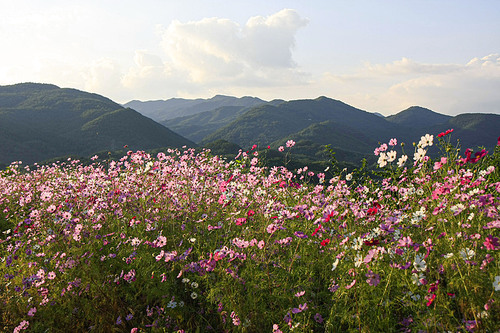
(426, 141)
(402, 160)
(496, 283)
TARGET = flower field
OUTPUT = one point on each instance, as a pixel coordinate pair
(189, 242)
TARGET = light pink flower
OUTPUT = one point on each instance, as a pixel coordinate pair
(351, 284)
(66, 215)
(373, 279)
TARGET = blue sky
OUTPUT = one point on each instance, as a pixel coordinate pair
(380, 56)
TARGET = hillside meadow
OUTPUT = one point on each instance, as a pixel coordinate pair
(189, 242)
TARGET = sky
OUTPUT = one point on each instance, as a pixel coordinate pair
(377, 55)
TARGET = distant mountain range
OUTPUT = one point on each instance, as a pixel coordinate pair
(163, 110)
(40, 121)
(43, 121)
(317, 122)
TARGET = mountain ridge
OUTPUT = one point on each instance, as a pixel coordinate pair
(163, 110)
(40, 121)
(43, 121)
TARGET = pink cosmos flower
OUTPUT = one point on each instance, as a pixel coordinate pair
(351, 284)
(271, 228)
(393, 142)
(316, 230)
(281, 149)
(45, 196)
(431, 299)
(405, 241)
(236, 319)
(66, 215)
(491, 242)
(290, 143)
(445, 133)
(439, 164)
(32, 312)
(302, 307)
(373, 279)
(241, 221)
(22, 326)
(276, 329)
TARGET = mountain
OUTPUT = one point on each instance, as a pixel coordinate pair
(42, 121)
(416, 116)
(476, 129)
(331, 133)
(197, 126)
(473, 129)
(162, 110)
(349, 130)
(334, 120)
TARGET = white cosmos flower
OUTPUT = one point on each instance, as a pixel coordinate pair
(420, 265)
(391, 156)
(415, 278)
(335, 264)
(467, 254)
(358, 261)
(419, 155)
(382, 160)
(426, 140)
(496, 283)
(402, 160)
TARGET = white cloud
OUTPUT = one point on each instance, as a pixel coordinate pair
(445, 88)
(194, 58)
(152, 78)
(472, 87)
(210, 56)
(408, 66)
(220, 51)
(86, 47)
(102, 75)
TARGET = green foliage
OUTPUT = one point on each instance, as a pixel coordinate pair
(183, 109)
(192, 242)
(223, 147)
(38, 122)
(351, 132)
